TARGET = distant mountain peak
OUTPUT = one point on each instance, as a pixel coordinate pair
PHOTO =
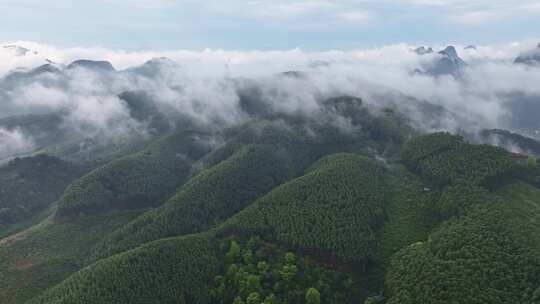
(155, 67)
(531, 57)
(92, 65)
(423, 50)
(22, 75)
(470, 47)
(160, 60)
(46, 68)
(450, 51)
(447, 62)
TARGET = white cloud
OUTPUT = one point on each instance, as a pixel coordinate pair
(145, 4)
(478, 17)
(13, 142)
(356, 16)
(481, 12)
(205, 86)
(281, 9)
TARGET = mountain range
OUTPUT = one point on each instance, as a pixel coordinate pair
(335, 201)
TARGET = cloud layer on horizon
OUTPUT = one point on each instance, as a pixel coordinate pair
(206, 85)
(286, 60)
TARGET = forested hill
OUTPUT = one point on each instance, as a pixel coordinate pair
(352, 205)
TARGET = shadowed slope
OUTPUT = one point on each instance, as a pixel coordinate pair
(136, 181)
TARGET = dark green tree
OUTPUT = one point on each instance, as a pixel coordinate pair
(238, 300)
(253, 298)
(271, 299)
(532, 162)
(313, 296)
(234, 252)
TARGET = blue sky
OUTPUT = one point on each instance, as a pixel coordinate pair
(266, 25)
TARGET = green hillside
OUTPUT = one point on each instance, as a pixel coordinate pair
(30, 185)
(444, 159)
(342, 207)
(486, 249)
(209, 198)
(411, 214)
(136, 181)
(47, 253)
(173, 270)
(282, 272)
(489, 255)
(281, 152)
(60, 244)
(335, 209)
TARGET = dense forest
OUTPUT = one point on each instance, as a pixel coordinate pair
(352, 205)
(29, 185)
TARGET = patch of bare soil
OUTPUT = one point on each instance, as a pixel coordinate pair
(24, 264)
(12, 239)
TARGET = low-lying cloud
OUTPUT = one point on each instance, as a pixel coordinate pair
(13, 142)
(206, 86)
